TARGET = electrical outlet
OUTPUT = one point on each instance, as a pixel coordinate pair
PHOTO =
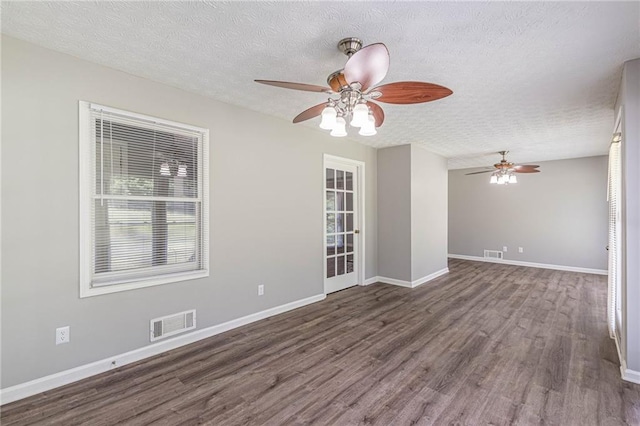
(520, 250)
(504, 248)
(62, 335)
(260, 289)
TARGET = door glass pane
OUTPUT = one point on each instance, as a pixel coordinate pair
(349, 243)
(339, 179)
(331, 267)
(330, 178)
(349, 181)
(349, 222)
(340, 201)
(331, 200)
(331, 223)
(349, 206)
(349, 263)
(340, 265)
(331, 245)
(340, 222)
(340, 243)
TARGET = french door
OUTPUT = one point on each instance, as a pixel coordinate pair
(342, 237)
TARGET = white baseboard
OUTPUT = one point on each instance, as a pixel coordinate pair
(632, 376)
(415, 283)
(531, 264)
(370, 281)
(62, 378)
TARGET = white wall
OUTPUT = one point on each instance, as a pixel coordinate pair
(266, 213)
(559, 216)
(628, 106)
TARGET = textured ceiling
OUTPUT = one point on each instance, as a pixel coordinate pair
(537, 79)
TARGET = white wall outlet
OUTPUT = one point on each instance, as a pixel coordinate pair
(520, 250)
(504, 248)
(260, 289)
(62, 335)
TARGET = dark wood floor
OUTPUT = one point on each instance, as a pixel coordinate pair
(485, 344)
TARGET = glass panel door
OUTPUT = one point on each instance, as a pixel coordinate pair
(341, 230)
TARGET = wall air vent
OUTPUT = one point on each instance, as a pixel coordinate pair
(493, 254)
(172, 324)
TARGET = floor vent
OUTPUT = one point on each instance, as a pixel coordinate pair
(493, 254)
(172, 324)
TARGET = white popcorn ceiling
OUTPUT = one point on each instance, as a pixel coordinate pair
(538, 79)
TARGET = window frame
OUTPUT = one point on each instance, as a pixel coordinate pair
(87, 179)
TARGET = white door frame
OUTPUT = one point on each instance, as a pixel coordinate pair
(360, 241)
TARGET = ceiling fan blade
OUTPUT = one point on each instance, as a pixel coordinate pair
(477, 173)
(378, 113)
(296, 86)
(368, 66)
(410, 92)
(529, 166)
(526, 170)
(314, 111)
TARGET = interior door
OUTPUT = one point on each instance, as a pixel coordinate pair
(341, 248)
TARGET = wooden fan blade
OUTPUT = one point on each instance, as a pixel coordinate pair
(368, 66)
(528, 166)
(410, 92)
(477, 173)
(526, 170)
(377, 112)
(314, 111)
(296, 86)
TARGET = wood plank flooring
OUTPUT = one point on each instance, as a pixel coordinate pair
(486, 344)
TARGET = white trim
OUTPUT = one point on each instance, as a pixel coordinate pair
(370, 281)
(24, 390)
(410, 284)
(429, 277)
(531, 264)
(629, 375)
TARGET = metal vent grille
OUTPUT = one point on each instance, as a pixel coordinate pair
(493, 254)
(172, 324)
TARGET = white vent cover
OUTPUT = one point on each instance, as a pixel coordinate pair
(172, 324)
(493, 254)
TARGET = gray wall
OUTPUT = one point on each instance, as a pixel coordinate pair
(558, 216)
(394, 212)
(428, 212)
(412, 213)
(258, 171)
(629, 104)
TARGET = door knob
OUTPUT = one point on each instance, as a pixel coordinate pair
(356, 231)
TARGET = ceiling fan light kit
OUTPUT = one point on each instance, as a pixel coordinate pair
(353, 89)
(505, 171)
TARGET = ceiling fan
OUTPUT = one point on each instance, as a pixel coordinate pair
(504, 171)
(353, 89)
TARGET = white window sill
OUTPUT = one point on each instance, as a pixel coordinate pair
(87, 291)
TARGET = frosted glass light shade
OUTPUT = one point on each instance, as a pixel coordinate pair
(493, 179)
(182, 170)
(328, 121)
(501, 180)
(360, 115)
(513, 179)
(368, 127)
(164, 169)
(339, 130)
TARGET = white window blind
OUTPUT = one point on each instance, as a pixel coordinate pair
(614, 188)
(145, 199)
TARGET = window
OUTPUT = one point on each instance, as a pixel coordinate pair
(143, 201)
